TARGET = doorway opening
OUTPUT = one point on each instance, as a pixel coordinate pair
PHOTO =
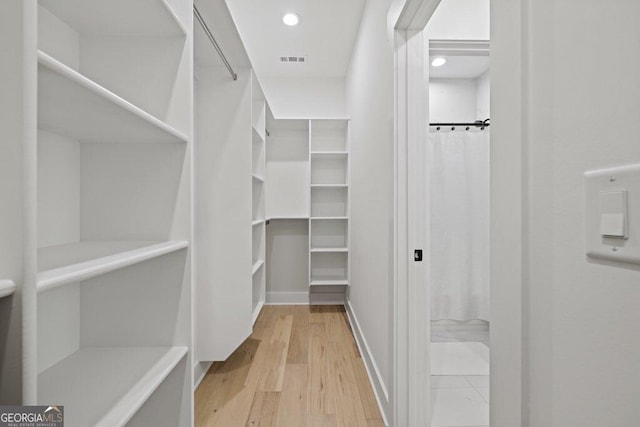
(458, 148)
(456, 49)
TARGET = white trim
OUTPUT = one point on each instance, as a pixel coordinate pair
(411, 308)
(508, 204)
(305, 298)
(377, 384)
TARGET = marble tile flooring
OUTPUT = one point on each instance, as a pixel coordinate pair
(460, 399)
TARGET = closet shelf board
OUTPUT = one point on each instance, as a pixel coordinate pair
(275, 218)
(257, 222)
(63, 264)
(329, 186)
(324, 218)
(257, 178)
(7, 287)
(106, 386)
(328, 250)
(257, 266)
(118, 17)
(73, 105)
(330, 153)
(329, 282)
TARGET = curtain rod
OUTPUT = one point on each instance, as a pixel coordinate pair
(214, 42)
(478, 124)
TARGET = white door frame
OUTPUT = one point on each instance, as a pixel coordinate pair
(508, 204)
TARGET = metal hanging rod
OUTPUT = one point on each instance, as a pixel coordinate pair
(215, 44)
(477, 124)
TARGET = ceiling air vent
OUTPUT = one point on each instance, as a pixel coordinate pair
(294, 59)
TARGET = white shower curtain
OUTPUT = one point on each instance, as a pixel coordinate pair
(459, 223)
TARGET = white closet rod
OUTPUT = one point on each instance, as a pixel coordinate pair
(214, 42)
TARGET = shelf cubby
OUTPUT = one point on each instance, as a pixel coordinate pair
(329, 234)
(328, 170)
(329, 267)
(329, 201)
(70, 104)
(329, 135)
(125, 377)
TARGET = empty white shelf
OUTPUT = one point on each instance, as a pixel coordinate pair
(324, 218)
(330, 153)
(329, 282)
(257, 178)
(329, 250)
(287, 217)
(257, 222)
(7, 287)
(72, 105)
(118, 17)
(329, 185)
(106, 386)
(63, 264)
(257, 266)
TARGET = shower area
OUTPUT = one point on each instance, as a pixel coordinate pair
(458, 150)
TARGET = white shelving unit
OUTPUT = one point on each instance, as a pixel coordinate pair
(107, 297)
(258, 242)
(307, 180)
(329, 203)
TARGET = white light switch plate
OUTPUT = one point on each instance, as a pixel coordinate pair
(609, 180)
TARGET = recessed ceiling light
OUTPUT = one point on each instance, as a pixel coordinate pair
(438, 62)
(291, 19)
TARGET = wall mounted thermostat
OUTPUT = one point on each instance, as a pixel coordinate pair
(613, 213)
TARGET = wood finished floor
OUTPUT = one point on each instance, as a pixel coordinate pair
(301, 367)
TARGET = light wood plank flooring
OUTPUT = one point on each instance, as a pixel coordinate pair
(301, 367)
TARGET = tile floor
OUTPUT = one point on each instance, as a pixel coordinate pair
(460, 399)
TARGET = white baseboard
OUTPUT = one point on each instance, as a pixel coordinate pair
(379, 388)
(199, 371)
(304, 298)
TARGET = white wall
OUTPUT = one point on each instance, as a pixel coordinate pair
(370, 105)
(459, 100)
(287, 259)
(459, 20)
(586, 312)
(580, 348)
(483, 96)
(452, 100)
(305, 97)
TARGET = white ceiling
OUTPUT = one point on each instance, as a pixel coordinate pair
(325, 35)
(460, 67)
